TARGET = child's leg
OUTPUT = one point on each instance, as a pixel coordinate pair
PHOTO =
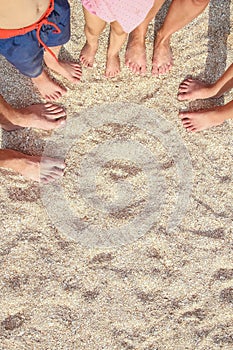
(93, 28)
(69, 70)
(117, 39)
(26, 55)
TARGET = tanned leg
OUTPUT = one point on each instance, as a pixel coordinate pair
(180, 13)
(93, 28)
(69, 70)
(116, 40)
(40, 116)
(135, 57)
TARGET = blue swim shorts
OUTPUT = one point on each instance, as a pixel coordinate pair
(26, 53)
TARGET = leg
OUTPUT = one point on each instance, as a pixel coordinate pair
(180, 13)
(201, 120)
(32, 167)
(191, 89)
(117, 39)
(41, 116)
(27, 56)
(135, 57)
(93, 28)
(69, 70)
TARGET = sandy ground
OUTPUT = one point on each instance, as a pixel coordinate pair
(164, 290)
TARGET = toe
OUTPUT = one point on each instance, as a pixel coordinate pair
(136, 68)
(190, 128)
(183, 87)
(155, 70)
(127, 62)
(182, 97)
(161, 70)
(142, 70)
(167, 68)
(186, 122)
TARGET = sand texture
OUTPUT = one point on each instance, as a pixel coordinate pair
(132, 249)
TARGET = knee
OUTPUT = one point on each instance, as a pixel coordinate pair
(117, 29)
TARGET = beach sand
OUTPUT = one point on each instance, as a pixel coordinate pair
(167, 289)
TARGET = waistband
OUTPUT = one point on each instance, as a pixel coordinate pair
(9, 33)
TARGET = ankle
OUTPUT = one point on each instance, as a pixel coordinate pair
(162, 38)
(17, 161)
(223, 113)
(136, 39)
(39, 77)
(213, 90)
(112, 55)
(12, 115)
(9, 158)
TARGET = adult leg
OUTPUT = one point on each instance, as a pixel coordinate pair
(180, 13)
(40, 116)
(93, 28)
(135, 57)
(116, 40)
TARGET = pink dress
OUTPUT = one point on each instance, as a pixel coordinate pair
(129, 13)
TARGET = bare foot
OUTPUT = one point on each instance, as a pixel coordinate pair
(135, 57)
(47, 87)
(71, 71)
(162, 58)
(34, 168)
(112, 66)
(87, 55)
(40, 116)
(201, 120)
(191, 89)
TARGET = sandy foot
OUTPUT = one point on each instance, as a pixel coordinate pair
(135, 57)
(191, 89)
(40, 116)
(71, 71)
(34, 168)
(49, 89)
(87, 55)
(112, 66)
(201, 120)
(162, 58)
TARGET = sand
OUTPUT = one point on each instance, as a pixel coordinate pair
(91, 262)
